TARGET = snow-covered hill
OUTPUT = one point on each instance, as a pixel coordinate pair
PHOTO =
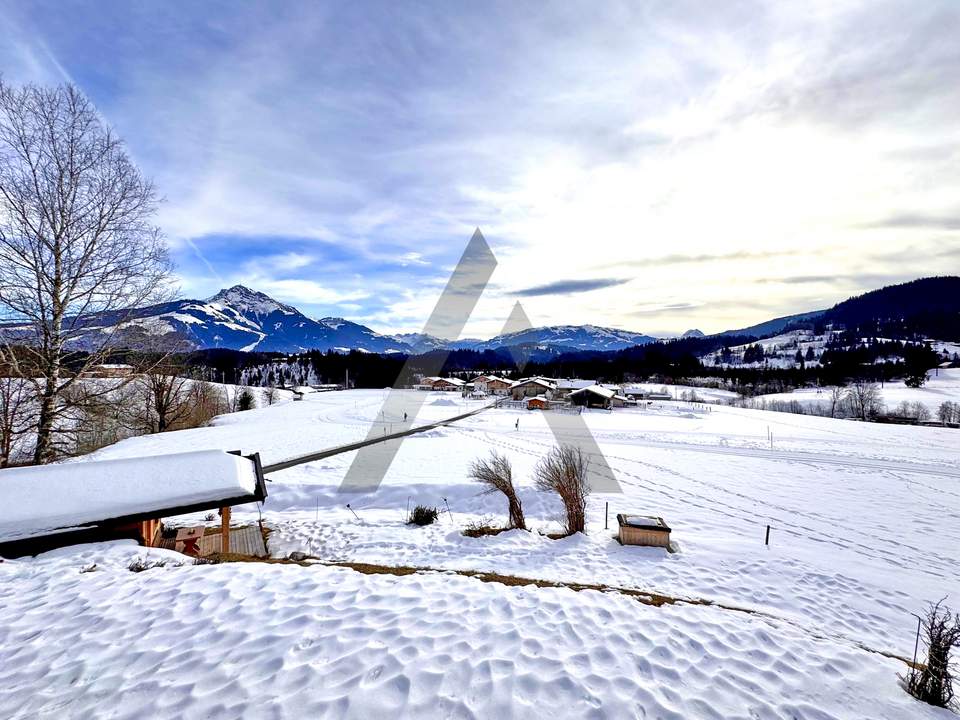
(569, 337)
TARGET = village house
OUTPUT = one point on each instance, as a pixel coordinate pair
(597, 396)
(441, 383)
(639, 393)
(491, 385)
(566, 386)
(531, 387)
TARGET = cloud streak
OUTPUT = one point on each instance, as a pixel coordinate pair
(570, 287)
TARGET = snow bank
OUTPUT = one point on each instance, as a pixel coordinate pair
(43, 499)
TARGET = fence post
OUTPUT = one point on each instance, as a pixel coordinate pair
(767, 539)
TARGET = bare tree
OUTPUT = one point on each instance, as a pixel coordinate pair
(564, 471)
(270, 394)
(18, 415)
(864, 399)
(836, 400)
(94, 418)
(164, 394)
(497, 474)
(207, 400)
(77, 244)
(949, 412)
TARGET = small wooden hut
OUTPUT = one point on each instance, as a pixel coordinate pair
(647, 530)
(51, 506)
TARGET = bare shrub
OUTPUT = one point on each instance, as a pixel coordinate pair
(564, 471)
(933, 682)
(207, 400)
(482, 528)
(423, 515)
(139, 564)
(497, 474)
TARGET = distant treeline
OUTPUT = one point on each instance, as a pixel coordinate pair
(924, 308)
(673, 360)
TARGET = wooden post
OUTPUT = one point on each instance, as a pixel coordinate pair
(767, 539)
(225, 530)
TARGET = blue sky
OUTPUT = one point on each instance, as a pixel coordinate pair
(648, 165)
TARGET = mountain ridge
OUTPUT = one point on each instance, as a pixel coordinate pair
(239, 318)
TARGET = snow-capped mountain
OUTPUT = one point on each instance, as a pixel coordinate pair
(569, 337)
(421, 342)
(693, 333)
(239, 318)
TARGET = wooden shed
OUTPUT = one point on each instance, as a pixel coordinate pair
(51, 506)
(647, 530)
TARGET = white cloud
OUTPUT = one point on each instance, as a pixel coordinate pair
(586, 142)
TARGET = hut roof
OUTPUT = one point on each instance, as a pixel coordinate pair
(51, 499)
(597, 390)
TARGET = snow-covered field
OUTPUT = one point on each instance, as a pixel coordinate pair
(680, 392)
(865, 530)
(942, 385)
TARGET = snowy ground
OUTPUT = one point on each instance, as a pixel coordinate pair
(680, 392)
(865, 530)
(942, 385)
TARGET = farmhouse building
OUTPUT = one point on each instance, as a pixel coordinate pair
(567, 386)
(593, 396)
(492, 385)
(531, 387)
(440, 383)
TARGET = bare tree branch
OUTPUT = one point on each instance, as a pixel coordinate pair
(77, 242)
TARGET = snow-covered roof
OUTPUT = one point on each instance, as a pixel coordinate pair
(573, 384)
(533, 381)
(490, 379)
(596, 390)
(451, 380)
(47, 499)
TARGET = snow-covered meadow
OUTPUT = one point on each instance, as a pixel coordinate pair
(865, 529)
(942, 385)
